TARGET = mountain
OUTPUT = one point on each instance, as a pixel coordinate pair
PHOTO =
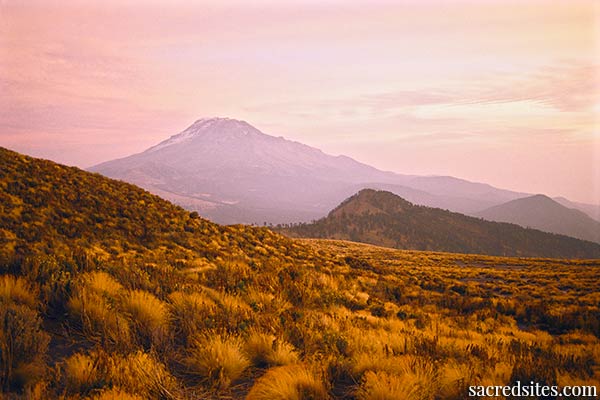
(231, 172)
(385, 219)
(543, 213)
(110, 292)
(590, 210)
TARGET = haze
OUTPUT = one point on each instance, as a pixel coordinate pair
(500, 92)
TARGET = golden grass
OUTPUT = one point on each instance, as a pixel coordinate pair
(82, 373)
(264, 349)
(144, 374)
(191, 312)
(290, 382)
(149, 314)
(116, 394)
(385, 386)
(98, 320)
(218, 360)
(102, 283)
(16, 289)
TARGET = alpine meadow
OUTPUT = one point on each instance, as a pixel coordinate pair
(299, 200)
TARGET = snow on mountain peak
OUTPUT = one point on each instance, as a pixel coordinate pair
(219, 126)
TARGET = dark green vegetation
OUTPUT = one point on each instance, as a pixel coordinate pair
(384, 219)
(108, 292)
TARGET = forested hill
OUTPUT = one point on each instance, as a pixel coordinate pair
(382, 218)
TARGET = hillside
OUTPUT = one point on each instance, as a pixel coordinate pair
(543, 213)
(109, 292)
(384, 219)
(231, 172)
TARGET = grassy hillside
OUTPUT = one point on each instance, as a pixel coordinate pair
(384, 219)
(108, 292)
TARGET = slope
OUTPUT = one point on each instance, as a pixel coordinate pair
(543, 213)
(109, 292)
(230, 172)
(382, 218)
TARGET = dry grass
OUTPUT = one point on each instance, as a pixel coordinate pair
(82, 373)
(116, 394)
(16, 289)
(144, 374)
(290, 382)
(102, 283)
(192, 312)
(217, 360)
(150, 316)
(264, 349)
(384, 386)
(98, 319)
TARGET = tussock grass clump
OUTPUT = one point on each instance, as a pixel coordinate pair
(149, 315)
(191, 312)
(384, 386)
(83, 373)
(290, 382)
(116, 394)
(98, 320)
(144, 374)
(264, 349)
(217, 360)
(17, 290)
(412, 371)
(102, 283)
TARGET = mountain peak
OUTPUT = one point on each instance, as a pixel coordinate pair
(546, 214)
(371, 201)
(214, 127)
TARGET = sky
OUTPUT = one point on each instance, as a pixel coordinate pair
(503, 92)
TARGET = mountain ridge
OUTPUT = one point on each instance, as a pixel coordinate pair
(231, 172)
(546, 214)
(383, 218)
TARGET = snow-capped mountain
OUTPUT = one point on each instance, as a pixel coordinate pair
(231, 172)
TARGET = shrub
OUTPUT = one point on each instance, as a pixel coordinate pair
(290, 382)
(23, 345)
(217, 360)
(150, 316)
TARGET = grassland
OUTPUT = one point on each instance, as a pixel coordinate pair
(108, 292)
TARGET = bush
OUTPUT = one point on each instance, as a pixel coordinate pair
(23, 345)
(290, 382)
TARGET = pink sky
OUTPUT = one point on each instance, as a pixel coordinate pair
(501, 92)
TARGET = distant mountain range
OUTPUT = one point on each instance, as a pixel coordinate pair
(230, 172)
(543, 213)
(385, 219)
